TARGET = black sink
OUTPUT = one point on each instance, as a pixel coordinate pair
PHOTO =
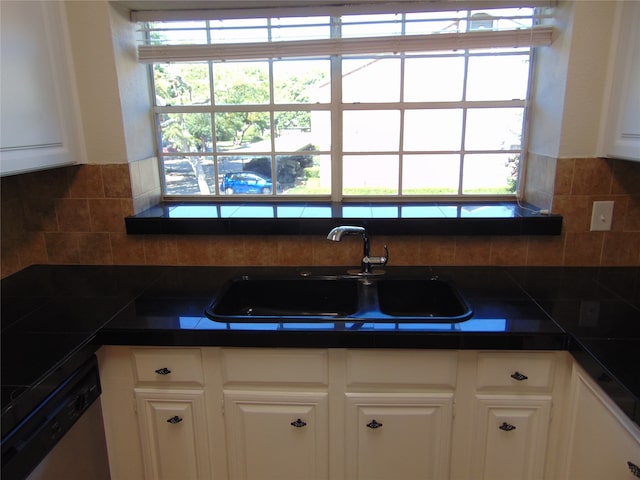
(432, 300)
(338, 299)
(252, 299)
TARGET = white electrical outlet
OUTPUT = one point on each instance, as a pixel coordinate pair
(601, 216)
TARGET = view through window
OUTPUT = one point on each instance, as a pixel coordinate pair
(331, 117)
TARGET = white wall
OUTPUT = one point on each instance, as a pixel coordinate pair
(570, 81)
(112, 85)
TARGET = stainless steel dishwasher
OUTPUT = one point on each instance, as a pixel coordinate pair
(63, 438)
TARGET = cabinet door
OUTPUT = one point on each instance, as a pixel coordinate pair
(622, 134)
(39, 124)
(603, 442)
(398, 436)
(173, 431)
(510, 438)
(277, 435)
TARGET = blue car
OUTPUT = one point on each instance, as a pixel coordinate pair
(245, 182)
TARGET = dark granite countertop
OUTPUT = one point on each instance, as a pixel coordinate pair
(54, 317)
(317, 218)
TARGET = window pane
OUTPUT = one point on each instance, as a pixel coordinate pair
(371, 80)
(302, 81)
(302, 130)
(300, 28)
(494, 129)
(432, 130)
(436, 79)
(182, 84)
(239, 31)
(494, 173)
(178, 33)
(484, 82)
(371, 25)
(517, 18)
(430, 174)
(190, 175)
(372, 130)
(243, 130)
(241, 83)
(304, 174)
(260, 164)
(370, 174)
(436, 22)
(185, 132)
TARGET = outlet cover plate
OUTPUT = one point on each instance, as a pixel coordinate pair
(601, 216)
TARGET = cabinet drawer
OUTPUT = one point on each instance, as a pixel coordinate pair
(275, 367)
(167, 366)
(516, 372)
(407, 368)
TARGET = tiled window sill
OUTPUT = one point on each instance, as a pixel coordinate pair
(502, 218)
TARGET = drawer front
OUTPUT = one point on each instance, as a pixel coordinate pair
(275, 367)
(516, 372)
(168, 366)
(401, 368)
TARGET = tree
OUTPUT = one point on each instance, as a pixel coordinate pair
(240, 84)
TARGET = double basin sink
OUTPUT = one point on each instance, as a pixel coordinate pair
(338, 298)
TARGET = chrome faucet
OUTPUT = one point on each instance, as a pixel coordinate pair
(368, 261)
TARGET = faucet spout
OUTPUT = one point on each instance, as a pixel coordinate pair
(337, 233)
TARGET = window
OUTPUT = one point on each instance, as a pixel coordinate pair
(408, 105)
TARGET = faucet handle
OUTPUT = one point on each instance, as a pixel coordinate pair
(379, 261)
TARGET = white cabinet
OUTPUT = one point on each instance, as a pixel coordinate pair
(173, 431)
(398, 413)
(622, 124)
(394, 435)
(601, 442)
(172, 418)
(162, 412)
(358, 414)
(276, 409)
(510, 437)
(39, 124)
(277, 435)
(510, 431)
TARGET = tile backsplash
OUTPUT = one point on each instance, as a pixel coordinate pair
(75, 215)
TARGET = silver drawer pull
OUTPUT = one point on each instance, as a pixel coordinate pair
(507, 427)
(518, 376)
(635, 469)
(163, 371)
(175, 419)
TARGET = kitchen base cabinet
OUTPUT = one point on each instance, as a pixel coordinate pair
(216, 413)
(173, 434)
(277, 435)
(162, 413)
(403, 436)
(505, 404)
(398, 412)
(601, 441)
(511, 437)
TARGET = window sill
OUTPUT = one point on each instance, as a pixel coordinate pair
(279, 218)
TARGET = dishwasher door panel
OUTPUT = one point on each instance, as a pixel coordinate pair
(81, 454)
